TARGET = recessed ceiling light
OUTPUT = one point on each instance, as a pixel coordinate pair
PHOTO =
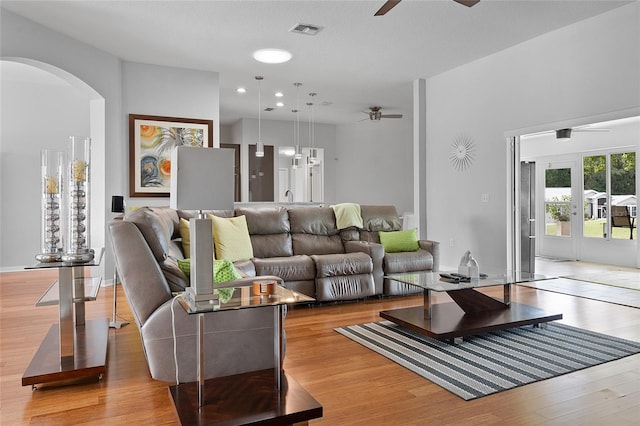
(241, 90)
(272, 56)
(279, 94)
(280, 104)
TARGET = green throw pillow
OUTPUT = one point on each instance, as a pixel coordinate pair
(399, 241)
(223, 270)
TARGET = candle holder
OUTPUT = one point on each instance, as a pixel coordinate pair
(78, 247)
(52, 163)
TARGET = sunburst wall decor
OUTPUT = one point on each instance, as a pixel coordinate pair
(462, 152)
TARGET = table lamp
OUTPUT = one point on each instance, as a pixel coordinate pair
(201, 179)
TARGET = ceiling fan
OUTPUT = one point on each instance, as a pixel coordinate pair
(375, 114)
(390, 4)
(566, 132)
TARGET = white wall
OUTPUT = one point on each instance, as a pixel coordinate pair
(374, 161)
(21, 38)
(169, 92)
(280, 133)
(36, 113)
(365, 162)
(126, 88)
(585, 69)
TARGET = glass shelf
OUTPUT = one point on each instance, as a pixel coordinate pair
(97, 257)
(51, 295)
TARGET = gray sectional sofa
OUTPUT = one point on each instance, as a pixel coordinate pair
(302, 246)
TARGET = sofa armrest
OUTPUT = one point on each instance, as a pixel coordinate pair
(432, 247)
(376, 252)
(142, 279)
(236, 341)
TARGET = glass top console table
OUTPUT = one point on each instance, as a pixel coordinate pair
(471, 311)
(74, 347)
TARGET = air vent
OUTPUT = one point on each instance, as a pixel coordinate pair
(306, 29)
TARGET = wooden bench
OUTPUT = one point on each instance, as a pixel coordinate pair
(621, 218)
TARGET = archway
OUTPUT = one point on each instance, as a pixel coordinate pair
(41, 106)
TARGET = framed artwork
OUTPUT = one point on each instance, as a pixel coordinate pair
(151, 140)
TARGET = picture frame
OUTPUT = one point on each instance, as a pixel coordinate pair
(151, 140)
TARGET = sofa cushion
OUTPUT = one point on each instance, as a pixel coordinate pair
(246, 268)
(271, 220)
(269, 231)
(176, 279)
(344, 287)
(332, 265)
(314, 231)
(291, 268)
(419, 260)
(231, 238)
(316, 244)
(313, 220)
(380, 218)
(157, 227)
(399, 241)
(276, 245)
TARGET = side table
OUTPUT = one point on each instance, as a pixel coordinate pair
(278, 399)
(74, 347)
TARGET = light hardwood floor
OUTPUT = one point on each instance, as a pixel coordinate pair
(355, 385)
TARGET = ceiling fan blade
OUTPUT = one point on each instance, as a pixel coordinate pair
(390, 4)
(468, 3)
(391, 116)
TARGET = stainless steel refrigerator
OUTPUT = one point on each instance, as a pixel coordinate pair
(528, 216)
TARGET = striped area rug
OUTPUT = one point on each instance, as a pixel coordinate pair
(490, 363)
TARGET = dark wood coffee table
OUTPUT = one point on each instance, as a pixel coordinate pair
(471, 311)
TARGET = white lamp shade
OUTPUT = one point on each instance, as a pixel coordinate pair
(202, 178)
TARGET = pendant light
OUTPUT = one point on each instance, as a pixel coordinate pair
(259, 144)
(313, 152)
(298, 153)
(295, 161)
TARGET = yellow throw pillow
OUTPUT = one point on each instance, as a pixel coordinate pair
(186, 238)
(231, 238)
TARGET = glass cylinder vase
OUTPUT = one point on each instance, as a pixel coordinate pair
(78, 248)
(52, 166)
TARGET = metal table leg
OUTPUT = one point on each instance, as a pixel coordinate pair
(426, 294)
(67, 327)
(200, 349)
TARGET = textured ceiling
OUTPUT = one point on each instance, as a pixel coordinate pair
(356, 61)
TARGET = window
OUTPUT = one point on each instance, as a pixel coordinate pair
(623, 188)
(595, 196)
(615, 171)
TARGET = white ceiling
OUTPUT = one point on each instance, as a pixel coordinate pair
(356, 61)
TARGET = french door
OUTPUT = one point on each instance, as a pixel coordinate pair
(560, 208)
